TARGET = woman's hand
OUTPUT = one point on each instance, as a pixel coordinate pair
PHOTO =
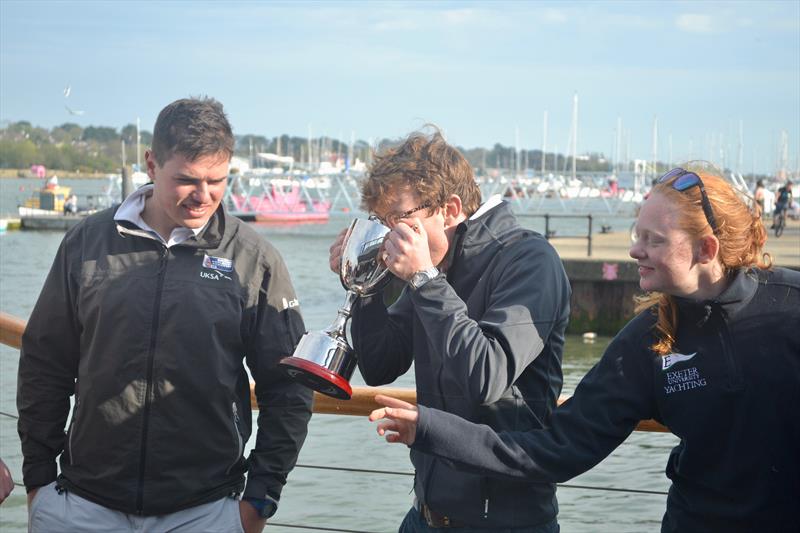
(398, 420)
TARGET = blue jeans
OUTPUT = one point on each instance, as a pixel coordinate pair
(414, 522)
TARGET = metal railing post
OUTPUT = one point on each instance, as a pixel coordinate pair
(589, 251)
(547, 226)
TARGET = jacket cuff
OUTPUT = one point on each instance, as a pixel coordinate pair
(39, 474)
(258, 489)
(423, 424)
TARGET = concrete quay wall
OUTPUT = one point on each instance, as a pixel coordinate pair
(600, 304)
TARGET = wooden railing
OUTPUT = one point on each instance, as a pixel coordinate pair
(361, 404)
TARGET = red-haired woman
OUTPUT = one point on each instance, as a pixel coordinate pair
(714, 355)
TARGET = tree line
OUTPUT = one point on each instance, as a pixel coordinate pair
(71, 147)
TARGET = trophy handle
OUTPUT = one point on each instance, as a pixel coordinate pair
(342, 257)
(379, 282)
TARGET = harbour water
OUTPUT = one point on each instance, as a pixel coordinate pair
(324, 498)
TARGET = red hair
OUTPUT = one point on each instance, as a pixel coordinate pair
(741, 236)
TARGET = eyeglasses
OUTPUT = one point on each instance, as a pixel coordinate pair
(684, 180)
(393, 218)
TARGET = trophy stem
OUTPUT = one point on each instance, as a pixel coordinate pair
(337, 328)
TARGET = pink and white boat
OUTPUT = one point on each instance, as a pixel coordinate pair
(283, 202)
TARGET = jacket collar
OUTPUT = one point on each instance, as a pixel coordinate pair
(742, 288)
(209, 237)
(478, 238)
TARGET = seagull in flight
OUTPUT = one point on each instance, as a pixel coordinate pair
(73, 111)
(67, 90)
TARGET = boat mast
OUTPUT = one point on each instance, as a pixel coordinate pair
(618, 146)
(574, 135)
(669, 160)
(740, 154)
(350, 149)
(544, 143)
(655, 145)
(138, 145)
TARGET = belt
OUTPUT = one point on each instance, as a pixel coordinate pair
(437, 520)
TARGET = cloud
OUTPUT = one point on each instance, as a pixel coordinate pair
(555, 16)
(695, 23)
(459, 17)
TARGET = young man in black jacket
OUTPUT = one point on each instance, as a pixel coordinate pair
(147, 317)
(482, 318)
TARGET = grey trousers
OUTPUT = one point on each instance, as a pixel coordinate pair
(52, 512)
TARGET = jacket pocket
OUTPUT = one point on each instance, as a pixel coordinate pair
(237, 437)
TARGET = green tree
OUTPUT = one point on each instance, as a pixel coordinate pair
(18, 154)
(69, 132)
(101, 134)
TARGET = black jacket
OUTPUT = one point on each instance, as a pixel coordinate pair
(730, 392)
(151, 340)
(486, 344)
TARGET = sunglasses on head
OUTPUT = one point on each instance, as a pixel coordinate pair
(683, 180)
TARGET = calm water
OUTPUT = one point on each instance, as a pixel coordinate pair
(354, 501)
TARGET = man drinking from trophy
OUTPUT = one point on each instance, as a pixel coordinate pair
(482, 317)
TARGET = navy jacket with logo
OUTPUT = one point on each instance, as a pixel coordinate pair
(730, 392)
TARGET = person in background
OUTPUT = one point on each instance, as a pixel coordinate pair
(482, 317)
(71, 205)
(147, 317)
(713, 354)
(758, 196)
(6, 481)
(783, 201)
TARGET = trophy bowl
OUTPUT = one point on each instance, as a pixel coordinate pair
(323, 360)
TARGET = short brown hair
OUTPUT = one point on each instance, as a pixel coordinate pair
(425, 164)
(194, 128)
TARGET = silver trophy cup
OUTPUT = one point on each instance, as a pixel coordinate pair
(323, 360)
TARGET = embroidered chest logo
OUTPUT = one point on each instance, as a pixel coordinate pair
(683, 380)
(669, 360)
(218, 267)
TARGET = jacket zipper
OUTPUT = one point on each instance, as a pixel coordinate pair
(426, 484)
(151, 353)
(240, 444)
(734, 375)
(72, 427)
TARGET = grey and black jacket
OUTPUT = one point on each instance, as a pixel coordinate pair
(151, 341)
(730, 392)
(486, 343)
